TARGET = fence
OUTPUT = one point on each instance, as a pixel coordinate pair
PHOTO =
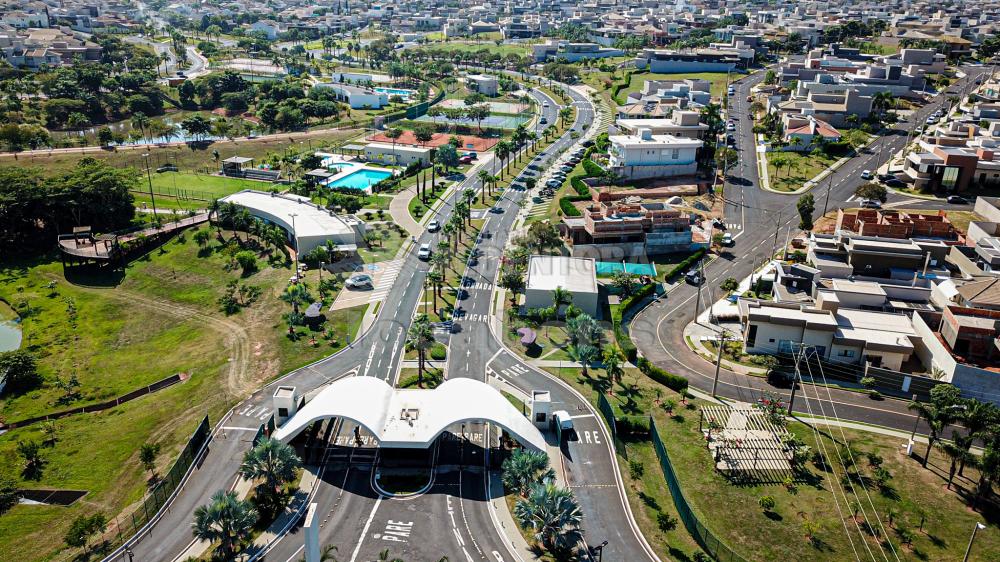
(126, 526)
(609, 414)
(708, 541)
(178, 193)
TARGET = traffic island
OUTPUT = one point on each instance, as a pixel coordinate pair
(402, 482)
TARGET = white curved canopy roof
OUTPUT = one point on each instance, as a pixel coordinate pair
(412, 418)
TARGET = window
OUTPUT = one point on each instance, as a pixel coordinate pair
(282, 412)
(845, 353)
(949, 178)
(752, 335)
(540, 417)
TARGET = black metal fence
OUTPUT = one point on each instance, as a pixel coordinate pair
(609, 414)
(706, 539)
(125, 526)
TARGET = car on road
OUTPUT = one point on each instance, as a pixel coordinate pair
(866, 175)
(433, 226)
(360, 281)
(693, 277)
(424, 252)
(886, 177)
(932, 120)
(564, 421)
(871, 204)
(730, 126)
(731, 91)
(543, 120)
(894, 183)
(727, 239)
(957, 200)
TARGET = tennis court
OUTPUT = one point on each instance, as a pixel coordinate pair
(612, 267)
(495, 106)
(493, 121)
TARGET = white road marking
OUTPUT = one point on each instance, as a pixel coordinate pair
(364, 532)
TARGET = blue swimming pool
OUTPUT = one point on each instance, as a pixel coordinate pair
(395, 92)
(362, 179)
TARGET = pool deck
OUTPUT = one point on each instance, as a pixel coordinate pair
(348, 167)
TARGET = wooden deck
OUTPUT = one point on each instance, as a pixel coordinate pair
(107, 247)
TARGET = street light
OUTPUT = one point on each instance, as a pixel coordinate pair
(296, 244)
(598, 550)
(129, 553)
(975, 529)
(149, 177)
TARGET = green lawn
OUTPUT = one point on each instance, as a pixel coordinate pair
(802, 167)
(115, 334)
(731, 510)
(718, 80)
(201, 186)
(385, 249)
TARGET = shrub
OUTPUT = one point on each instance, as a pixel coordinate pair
(688, 261)
(665, 522)
(566, 206)
(592, 168)
(247, 261)
(670, 380)
(439, 352)
(766, 503)
(581, 188)
(636, 469)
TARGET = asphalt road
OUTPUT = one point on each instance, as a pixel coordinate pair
(763, 220)
(358, 516)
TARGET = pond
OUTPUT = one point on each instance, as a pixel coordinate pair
(10, 329)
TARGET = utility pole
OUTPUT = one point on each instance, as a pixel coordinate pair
(829, 188)
(796, 378)
(774, 246)
(718, 361)
(697, 297)
(149, 177)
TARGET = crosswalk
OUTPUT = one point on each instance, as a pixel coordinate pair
(514, 370)
(384, 284)
(481, 286)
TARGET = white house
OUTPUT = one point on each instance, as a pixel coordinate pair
(576, 275)
(486, 85)
(269, 28)
(400, 154)
(645, 155)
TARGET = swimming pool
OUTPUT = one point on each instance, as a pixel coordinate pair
(361, 179)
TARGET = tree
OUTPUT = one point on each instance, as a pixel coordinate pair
(81, 529)
(226, 520)
(31, 459)
(447, 156)
(561, 298)
(393, 134)
(956, 453)
(523, 468)
(553, 514)
(726, 157)
(872, 191)
(273, 463)
(806, 206)
(584, 354)
(543, 236)
(613, 360)
(420, 337)
(937, 417)
(484, 179)
(625, 283)
(202, 237)
(20, 369)
(512, 280)
(10, 494)
(196, 126)
(247, 261)
(729, 285)
(147, 456)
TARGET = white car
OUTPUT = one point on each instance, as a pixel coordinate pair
(433, 226)
(424, 252)
(727, 239)
(562, 419)
(731, 127)
(866, 175)
(871, 204)
(359, 281)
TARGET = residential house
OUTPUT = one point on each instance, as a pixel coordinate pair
(805, 132)
(645, 155)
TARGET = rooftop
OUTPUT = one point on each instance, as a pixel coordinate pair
(577, 275)
(309, 221)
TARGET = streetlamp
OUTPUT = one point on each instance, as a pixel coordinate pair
(129, 553)
(295, 243)
(149, 177)
(975, 529)
(598, 550)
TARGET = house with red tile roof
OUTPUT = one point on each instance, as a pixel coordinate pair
(806, 129)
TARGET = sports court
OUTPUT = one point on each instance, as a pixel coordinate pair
(469, 142)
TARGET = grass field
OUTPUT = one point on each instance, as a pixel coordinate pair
(387, 247)
(912, 495)
(502, 49)
(201, 185)
(804, 167)
(117, 333)
(718, 80)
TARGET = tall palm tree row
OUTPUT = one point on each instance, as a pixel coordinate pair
(273, 463)
(226, 520)
(420, 337)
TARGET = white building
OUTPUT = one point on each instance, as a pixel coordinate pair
(486, 85)
(684, 124)
(645, 155)
(308, 225)
(356, 96)
(400, 154)
(576, 275)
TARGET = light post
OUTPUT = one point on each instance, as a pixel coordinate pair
(129, 553)
(149, 177)
(598, 550)
(296, 244)
(974, 531)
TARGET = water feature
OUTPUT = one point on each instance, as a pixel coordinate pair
(10, 329)
(361, 179)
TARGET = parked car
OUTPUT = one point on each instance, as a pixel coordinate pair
(465, 160)
(749, 99)
(424, 253)
(543, 120)
(894, 183)
(719, 223)
(359, 281)
(871, 204)
(433, 226)
(727, 239)
(866, 175)
(730, 126)
(587, 142)
(957, 200)
(693, 277)
(886, 177)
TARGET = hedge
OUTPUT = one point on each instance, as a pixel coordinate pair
(567, 208)
(679, 268)
(670, 380)
(592, 168)
(625, 343)
(439, 352)
(581, 188)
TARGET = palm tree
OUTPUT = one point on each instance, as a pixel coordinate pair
(295, 295)
(564, 114)
(325, 555)
(584, 354)
(524, 468)
(273, 462)
(956, 453)
(140, 121)
(436, 279)
(553, 514)
(394, 133)
(561, 297)
(937, 419)
(420, 337)
(449, 229)
(613, 360)
(502, 151)
(226, 520)
(484, 178)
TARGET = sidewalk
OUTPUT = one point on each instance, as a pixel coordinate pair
(505, 522)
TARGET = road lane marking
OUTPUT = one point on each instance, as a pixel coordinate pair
(364, 532)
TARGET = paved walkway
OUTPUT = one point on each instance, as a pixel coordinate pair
(399, 208)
